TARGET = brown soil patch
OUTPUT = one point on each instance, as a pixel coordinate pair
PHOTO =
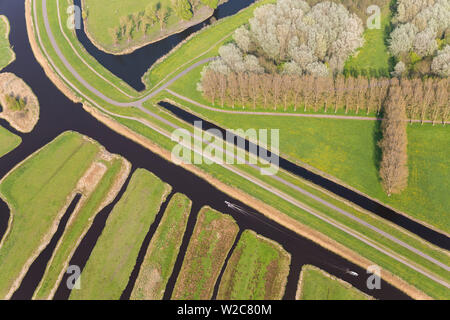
(91, 178)
(23, 120)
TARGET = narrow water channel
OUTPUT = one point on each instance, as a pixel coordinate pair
(58, 114)
(37, 268)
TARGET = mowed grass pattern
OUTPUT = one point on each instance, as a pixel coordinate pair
(163, 250)
(36, 192)
(257, 270)
(109, 267)
(75, 230)
(213, 237)
(8, 141)
(316, 284)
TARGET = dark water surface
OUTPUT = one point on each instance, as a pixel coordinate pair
(59, 114)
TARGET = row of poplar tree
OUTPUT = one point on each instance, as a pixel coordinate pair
(424, 98)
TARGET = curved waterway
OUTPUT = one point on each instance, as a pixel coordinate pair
(131, 67)
(59, 114)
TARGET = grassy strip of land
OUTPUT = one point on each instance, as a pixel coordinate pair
(373, 58)
(257, 270)
(348, 150)
(163, 250)
(109, 15)
(316, 284)
(8, 141)
(110, 264)
(7, 55)
(37, 192)
(77, 227)
(213, 237)
(203, 44)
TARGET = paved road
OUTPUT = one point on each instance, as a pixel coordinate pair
(233, 169)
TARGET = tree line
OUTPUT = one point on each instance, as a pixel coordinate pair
(424, 99)
(394, 162)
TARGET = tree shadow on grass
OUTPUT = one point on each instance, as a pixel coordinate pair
(377, 137)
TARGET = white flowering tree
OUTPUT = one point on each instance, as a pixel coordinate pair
(290, 34)
(441, 63)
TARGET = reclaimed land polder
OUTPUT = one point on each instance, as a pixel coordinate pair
(108, 176)
(111, 262)
(7, 54)
(51, 173)
(101, 15)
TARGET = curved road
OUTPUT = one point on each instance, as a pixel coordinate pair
(252, 179)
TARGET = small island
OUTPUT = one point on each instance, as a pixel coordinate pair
(121, 28)
(20, 107)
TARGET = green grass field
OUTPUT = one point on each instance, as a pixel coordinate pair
(8, 141)
(257, 270)
(213, 236)
(76, 229)
(374, 56)
(163, 251)
(36, 192)
(110, 264)
(103, 15)
(316, 284)
(6, 53)
(201, 45)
